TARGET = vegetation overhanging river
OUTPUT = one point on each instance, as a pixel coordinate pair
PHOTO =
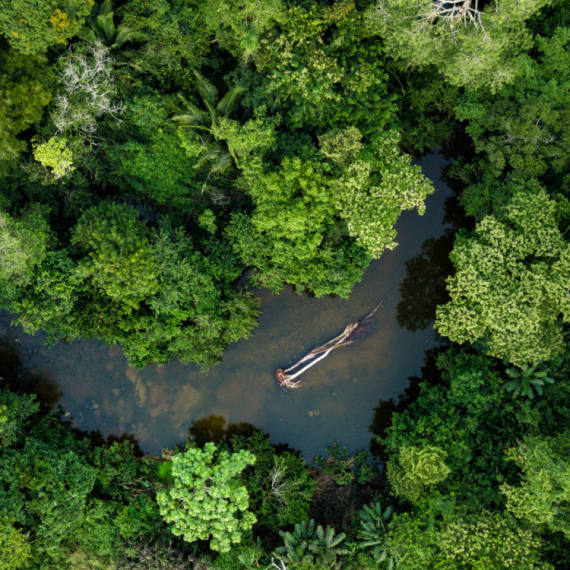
(158, 405)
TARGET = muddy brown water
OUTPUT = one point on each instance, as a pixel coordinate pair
(95, 384)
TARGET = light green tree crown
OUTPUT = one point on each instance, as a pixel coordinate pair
(206, 498)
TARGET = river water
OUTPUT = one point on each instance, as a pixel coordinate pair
(158, 405)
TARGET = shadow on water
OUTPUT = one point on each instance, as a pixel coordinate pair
(216, 429)
(19, 377)
(383, 412)
(213, 428)
(421, 291)
(106, 396)
(423, 288)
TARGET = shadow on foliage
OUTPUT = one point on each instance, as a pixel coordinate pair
(383, 412)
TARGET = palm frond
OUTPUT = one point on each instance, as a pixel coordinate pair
(106, 7)
(210, 154)
(205, 87)
(194, 117)
(222, 162)
(105, 28)
(89, 36)
(230, 101)
(124, 34)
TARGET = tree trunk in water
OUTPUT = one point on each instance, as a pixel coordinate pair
(347, 337)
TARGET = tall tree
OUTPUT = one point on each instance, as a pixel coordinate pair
(31, 27)
(510, 292)
(543, 497)
(24, 92)
(206, 497)
(472, 43)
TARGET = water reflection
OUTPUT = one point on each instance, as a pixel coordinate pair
(424, 288)
(158, 404)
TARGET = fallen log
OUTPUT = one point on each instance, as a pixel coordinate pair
(348, 336)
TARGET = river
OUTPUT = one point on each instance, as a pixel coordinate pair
(158, 405)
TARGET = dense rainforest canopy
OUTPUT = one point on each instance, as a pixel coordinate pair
(161, 158)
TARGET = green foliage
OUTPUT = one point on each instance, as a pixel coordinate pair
(137, 229)
(525, 382)
(15, 411)
(415, 469)
(34, 480)
(308, 212)
(206, 497)
(159, 556)
(347, 468)
(510, 287)
(160, 156)
(321, 69)
(24, 92)
(56, 155)
(119, 259)
(239, 26)
(165, 470)
(212, 122)
(140, 520)
(489, 541)
(372, 532)
(543, 497)
(31, 27)
(438, 537)
(174, 38)
(13, 545)
(371, 208)
(525, 125)
(306, 545)
(241, 557)
(136, 287)
(471, 418)
(280, 486)
(290, 236)
(23, 246)
(93, 544)
(470, 43)
(50, 297)
(104, 30)
(116, 468)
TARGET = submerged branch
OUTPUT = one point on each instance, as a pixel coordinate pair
(348, 336)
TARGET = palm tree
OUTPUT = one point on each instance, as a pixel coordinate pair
(305, 544)
(296, 543)
(525, 380)
(324, 547)
(372, 533)
(203, 124)
(104, 31)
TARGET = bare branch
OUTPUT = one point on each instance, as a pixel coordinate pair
(87, 93)
(453, 12)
